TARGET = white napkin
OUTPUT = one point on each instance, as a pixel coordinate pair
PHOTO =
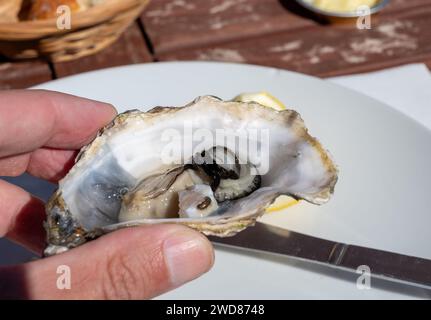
(406, 88)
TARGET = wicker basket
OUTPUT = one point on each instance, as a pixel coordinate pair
(92, 30)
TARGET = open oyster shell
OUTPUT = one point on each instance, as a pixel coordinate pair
(148, 167)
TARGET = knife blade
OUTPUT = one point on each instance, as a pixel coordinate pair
(390, 266)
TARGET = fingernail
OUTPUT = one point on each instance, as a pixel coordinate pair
(113, 109)
(188, 255)
(107, 108)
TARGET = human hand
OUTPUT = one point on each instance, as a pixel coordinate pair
(40, 132)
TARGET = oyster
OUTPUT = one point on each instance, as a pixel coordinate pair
(212, 165)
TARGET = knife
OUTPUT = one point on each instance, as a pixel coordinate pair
(389, 266)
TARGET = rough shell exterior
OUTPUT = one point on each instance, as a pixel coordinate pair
(65, 231)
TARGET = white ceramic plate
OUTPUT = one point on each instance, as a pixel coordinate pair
(381, 199)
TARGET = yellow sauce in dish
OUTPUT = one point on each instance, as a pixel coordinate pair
(343, 5)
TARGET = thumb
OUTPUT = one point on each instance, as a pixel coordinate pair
(134, 263)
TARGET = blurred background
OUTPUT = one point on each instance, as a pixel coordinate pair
(278, 33)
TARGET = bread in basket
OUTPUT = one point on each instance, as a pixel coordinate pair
(29, 28)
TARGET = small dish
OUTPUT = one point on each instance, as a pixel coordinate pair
(339, 15)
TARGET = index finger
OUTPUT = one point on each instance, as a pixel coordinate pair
(30, 119)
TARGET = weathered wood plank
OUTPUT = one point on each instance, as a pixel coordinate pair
(327, 51)
(24, 74)
(129, 49)
(175, 24)
(403, 5)
(178, 24)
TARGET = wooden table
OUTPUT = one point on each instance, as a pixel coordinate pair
(275, 33)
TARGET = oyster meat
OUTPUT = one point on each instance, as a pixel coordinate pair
(212, 165)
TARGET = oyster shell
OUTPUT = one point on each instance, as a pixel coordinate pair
(148, 167)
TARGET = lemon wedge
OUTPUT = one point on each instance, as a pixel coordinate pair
(267, 100)
(281, 203)
(263, 98)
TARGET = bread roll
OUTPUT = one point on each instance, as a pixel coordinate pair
(45, 9)
(9, 10)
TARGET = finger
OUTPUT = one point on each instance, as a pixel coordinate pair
(51, 164)
(31, 119)
(21, 217)
(134, 263)
(44, 163)
(14, 166)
